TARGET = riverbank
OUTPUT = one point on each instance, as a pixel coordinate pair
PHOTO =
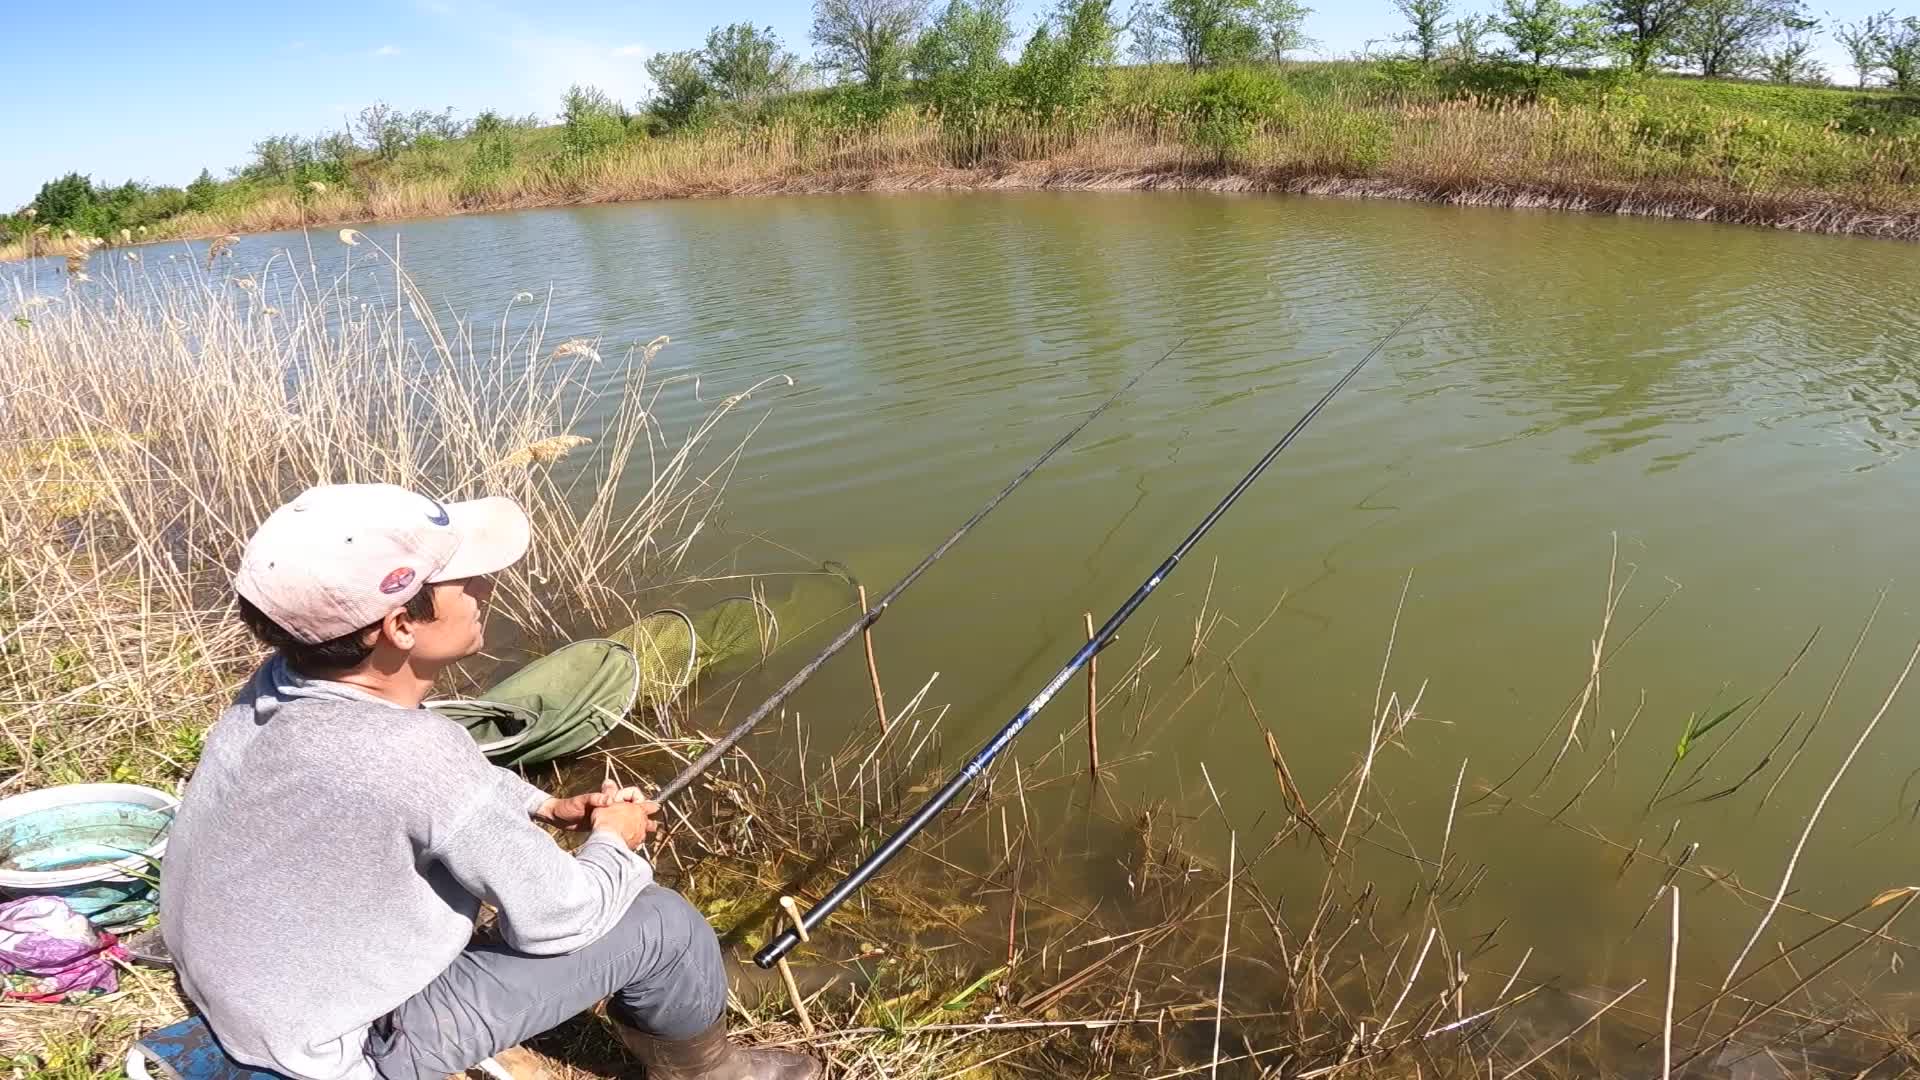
(1801, 158)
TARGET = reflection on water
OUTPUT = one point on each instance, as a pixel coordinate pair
(1736, 406)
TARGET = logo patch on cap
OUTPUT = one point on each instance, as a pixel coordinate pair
(439, 516)
(397, 580)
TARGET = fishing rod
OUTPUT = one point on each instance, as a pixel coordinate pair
(871, 615)
(782, 945)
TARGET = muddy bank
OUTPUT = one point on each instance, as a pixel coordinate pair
(1808, 212)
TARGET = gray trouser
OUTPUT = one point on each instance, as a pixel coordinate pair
(660, 964)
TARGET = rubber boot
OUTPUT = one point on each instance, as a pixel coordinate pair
(709, 1056)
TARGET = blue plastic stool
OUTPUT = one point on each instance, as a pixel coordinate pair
(187, 1050)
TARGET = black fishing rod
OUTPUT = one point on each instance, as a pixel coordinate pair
(871, 615)
(782, 945)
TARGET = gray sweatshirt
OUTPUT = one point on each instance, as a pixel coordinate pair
(328, 859)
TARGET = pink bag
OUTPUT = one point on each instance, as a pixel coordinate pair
(50, 952)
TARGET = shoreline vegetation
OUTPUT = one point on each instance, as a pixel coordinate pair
(1445, 154)
(146, 425)
(1714, 111)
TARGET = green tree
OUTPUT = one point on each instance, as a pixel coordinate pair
(1790, 58)
(1426, 25)
(591, 123)
(274, 157)
(680, 86)
(1644, 29)
(381, 130)
(867, 41)
(62, 202)
(1900, 52)
(1551, 31)
(746, 63)
(960, 60)
(1470, 33)
(1725, 37)
(1210, 33)
(202, 192)
(1863, 41)
(1281, 24)
(1147, 33)
(1064, 62)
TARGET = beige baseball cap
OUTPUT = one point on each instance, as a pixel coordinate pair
(342, 557)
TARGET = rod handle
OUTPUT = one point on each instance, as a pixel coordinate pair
(771, 953)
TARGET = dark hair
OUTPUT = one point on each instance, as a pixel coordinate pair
(340, 654)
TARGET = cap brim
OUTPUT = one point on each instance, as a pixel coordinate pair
(494, 534)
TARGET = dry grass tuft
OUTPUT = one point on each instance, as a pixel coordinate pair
(576, 347)
(148, 425)
(220, 246)
(546, 451)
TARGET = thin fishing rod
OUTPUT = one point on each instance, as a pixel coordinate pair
(871, 615)
(924, 816)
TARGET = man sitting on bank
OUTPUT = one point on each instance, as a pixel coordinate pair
(337, 840)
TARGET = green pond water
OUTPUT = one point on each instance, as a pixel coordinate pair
(1737, 409)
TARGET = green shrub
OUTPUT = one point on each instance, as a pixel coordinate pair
(592, 123)
(1407, 78)
(860, 105)
(1757, 152)
(492, 146)
(1682, 131)
(1364, 141)
(1225, 108)
(202, 191)
(960, 60)
(680, 88)
(1062, 70)
(158, 205)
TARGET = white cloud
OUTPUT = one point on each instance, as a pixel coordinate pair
(386, 50)
(545, 65)
(541, 63)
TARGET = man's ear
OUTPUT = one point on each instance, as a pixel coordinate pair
(397, 628)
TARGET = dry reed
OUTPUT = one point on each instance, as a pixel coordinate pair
(149, 424)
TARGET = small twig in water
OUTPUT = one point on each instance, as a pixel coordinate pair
(1562, 1041)
(1814, 818)
(1910, 893)
(1832, 693)
(1704, 765)
(1599, 650)
(1226, 935)
(1673, 977)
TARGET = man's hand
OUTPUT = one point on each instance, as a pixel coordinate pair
(632, 820)
(576, 814)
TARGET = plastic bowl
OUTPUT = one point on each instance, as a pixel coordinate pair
(95, 846)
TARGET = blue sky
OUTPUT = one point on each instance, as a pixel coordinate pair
(159, 90)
